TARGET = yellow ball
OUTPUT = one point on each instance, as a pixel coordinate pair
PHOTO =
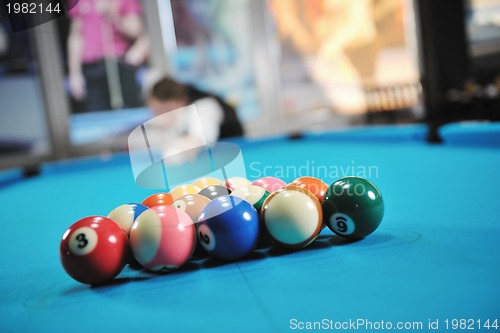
(206, 182)
(183, 190)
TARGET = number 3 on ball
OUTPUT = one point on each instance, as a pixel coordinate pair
(83, 241)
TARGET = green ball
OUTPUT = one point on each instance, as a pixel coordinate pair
(353, 207)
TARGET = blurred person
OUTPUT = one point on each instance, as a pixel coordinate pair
(180, 131)
(219, 119)
(106, 44)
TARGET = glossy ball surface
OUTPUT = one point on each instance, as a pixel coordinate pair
(126, 214)
(162, 238)
(206, 182)
(353, 207)
(192, 204)
(158, 199)
(215, 191)
(234, 183)
(94, 250)
(183, 190)
(271, 184)
(315, 185)
(228, 228)
(292, 217)
(253, 194)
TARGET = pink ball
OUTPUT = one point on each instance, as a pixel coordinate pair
(163, 238)
(270, 183)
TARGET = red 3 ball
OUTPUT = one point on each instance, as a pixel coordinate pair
(94, 250)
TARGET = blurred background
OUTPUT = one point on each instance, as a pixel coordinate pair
(288, 66)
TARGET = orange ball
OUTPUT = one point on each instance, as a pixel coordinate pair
(158, 199)
(314, 185)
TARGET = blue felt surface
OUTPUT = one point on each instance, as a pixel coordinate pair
(380, 133)
(435, 256)
(85, 163)
(471, 134)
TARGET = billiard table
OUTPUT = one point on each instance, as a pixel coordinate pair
(435, 259)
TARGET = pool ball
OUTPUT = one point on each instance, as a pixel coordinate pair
(292, 217)
(252, 194)
(271, 184)
(234, 183)
(158, 199)
(215, 191)
(353, 207)
(206, 182)
(183, 190)
(126, 214)
(193, 204)
(94, 250)
(162, 238)
(228, 228)
(315, 185)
